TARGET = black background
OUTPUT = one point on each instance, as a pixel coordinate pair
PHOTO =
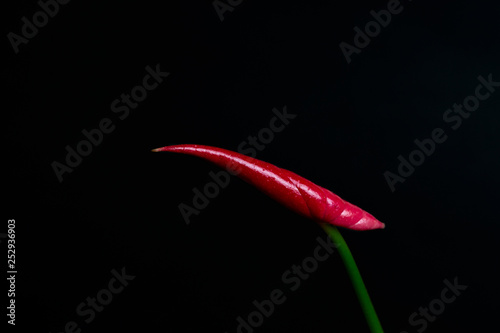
(119, 207)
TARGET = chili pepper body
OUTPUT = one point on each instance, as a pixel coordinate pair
(288, 188)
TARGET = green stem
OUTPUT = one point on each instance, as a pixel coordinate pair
(357, 281)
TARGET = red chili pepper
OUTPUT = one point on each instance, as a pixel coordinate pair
(286, 187)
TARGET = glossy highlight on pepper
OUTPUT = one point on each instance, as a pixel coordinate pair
(293, 191)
